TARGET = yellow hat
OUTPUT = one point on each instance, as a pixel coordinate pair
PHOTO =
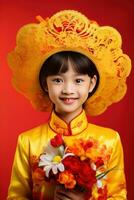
(71, 31)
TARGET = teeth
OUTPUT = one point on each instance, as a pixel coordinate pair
(68, 100)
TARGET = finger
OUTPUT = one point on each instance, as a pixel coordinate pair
(61, 193)
(65, 195)
(62, 197)
(58, 198)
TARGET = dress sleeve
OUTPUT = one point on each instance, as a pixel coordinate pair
(116, 177)
(20, 184)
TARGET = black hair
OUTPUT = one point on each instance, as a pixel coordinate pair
(58, 63)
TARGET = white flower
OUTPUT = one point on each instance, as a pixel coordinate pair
(51, 159)
(99, 183)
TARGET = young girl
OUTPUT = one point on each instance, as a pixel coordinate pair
(70, 66)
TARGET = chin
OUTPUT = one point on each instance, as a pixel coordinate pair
(70, 110)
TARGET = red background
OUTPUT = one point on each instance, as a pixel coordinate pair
(16, 114)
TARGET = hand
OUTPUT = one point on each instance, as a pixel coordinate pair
(65, 194)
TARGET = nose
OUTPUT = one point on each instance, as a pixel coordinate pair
(68, 88)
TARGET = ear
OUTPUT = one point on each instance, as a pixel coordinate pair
(92, 83)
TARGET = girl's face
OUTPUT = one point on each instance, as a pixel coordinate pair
(68, 91)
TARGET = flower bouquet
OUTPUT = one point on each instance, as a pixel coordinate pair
(80, 165)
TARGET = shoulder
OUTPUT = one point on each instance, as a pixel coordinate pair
(33, 133)
(104, 132)
(31, 142)
(106, 136)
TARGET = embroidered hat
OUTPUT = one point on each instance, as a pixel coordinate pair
(69, 30)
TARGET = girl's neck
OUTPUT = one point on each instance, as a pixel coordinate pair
(68, 117)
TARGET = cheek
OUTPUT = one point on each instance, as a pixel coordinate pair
(53, 92)
(85, 93)
(85, 89)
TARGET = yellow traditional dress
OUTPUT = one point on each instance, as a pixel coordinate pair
(27, 181)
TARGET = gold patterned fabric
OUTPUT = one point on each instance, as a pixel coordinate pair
(27, 180)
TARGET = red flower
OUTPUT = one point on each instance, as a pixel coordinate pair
(85, 176)
(38, 175)
(34, 160)
(67, 178)
(102, 193)
(56, 141)
(72, 163)
(99, 162)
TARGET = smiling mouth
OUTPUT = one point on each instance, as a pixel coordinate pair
(68, 100)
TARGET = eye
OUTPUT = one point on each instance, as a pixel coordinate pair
(57, 80)
(79, 80)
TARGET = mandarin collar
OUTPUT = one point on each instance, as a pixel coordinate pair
(76, 126)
